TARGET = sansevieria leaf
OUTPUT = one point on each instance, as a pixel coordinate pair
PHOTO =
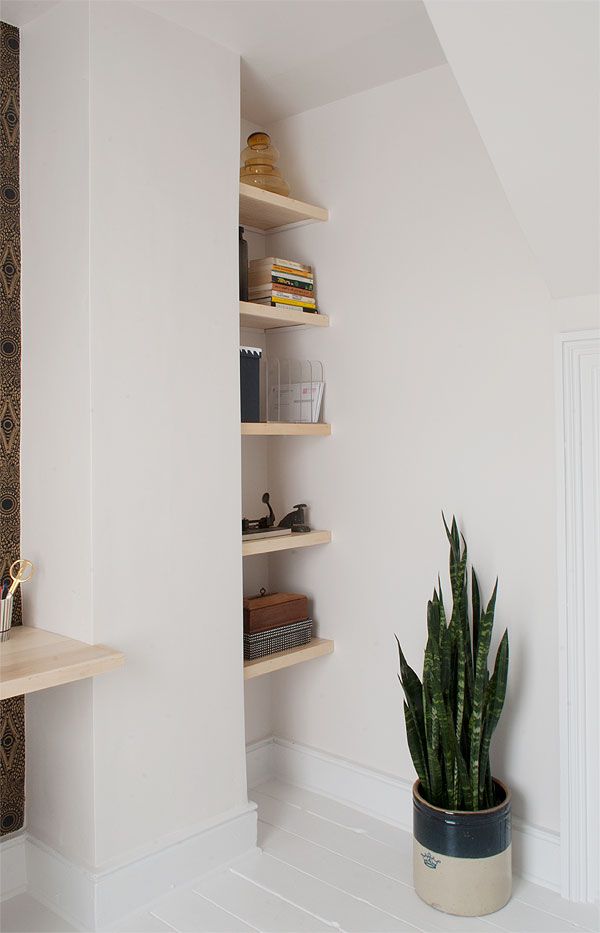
(481, 677)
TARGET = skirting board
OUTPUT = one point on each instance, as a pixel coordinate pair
(13, 874)
(536, 851)
(94, 901)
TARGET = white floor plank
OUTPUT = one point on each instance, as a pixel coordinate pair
(336, 908)
(518, 917)
(24, 914)
(142, 922)
(336, 812)
(358, 846)
(264, 911)
(188, 912)
(370, 886)
(586, 915)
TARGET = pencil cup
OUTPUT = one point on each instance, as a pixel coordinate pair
(6, 608)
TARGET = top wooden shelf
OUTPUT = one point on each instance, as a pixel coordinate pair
(262, 317)
(33, 659)
(265, 210)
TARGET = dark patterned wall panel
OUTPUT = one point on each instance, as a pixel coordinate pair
(12, 712)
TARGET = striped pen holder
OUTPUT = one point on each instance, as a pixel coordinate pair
(6, 609)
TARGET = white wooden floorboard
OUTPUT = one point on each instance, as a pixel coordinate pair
(189, 912)
(586, 915)
(370, 886)
(264, 911)
(517, 917)
(336, 908)
(344, 815)
(358, 846)
(141, 922)
(24, 914)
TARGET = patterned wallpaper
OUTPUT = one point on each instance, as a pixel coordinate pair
(12, 712)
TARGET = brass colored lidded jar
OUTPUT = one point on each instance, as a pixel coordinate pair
(259, 167)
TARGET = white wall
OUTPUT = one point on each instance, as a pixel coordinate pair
(56, 413)
(439, 367)
(159, 745)
(529, 73)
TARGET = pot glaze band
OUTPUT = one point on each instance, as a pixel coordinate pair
(462, 834)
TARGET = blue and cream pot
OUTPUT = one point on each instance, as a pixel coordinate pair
(462, 860)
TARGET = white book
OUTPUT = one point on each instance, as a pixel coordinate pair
(270, 261)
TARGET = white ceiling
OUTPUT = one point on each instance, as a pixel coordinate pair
(20, 12)
(529, 73)
(300, 54)
(297, 54)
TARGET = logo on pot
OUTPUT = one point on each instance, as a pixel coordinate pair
(429, 860)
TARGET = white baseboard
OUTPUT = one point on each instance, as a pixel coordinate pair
(94, 901)
(13, 874)
(536, 851)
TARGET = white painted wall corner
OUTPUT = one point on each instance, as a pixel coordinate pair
(536, 851)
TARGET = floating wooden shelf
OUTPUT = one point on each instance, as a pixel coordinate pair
(284, 429)
(316, 648)
(265, 210)
(33, 659)
(284, 543)
(262, 317)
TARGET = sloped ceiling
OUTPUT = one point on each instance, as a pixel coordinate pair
(300, 54)
(529, 74)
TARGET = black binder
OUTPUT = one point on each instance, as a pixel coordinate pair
(250, 383)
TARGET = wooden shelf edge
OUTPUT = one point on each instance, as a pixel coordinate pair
(267, 211)
(262, 317)
(316, 648)
(34, 659)
(284, 429)
(285, 543)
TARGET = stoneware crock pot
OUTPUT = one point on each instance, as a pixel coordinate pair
(462, 860)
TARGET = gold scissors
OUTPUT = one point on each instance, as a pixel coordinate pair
(21, 571)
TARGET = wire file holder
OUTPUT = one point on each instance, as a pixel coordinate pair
(293, 390)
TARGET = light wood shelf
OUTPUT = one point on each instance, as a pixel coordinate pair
(33, 659)
(262, 317)
(284, 429)
(285, 543)
(265, 210)
(316, 648)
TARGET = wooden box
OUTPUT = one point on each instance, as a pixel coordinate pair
(272, 610)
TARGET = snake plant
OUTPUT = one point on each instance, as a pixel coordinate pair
(451, 714)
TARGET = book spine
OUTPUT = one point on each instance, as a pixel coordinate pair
(271, 261)
(263, 291)
(291, 296)
(292, 265)
(287, 270)
(282, 305)
(280, 279)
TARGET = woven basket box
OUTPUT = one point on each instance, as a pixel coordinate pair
(277, 639)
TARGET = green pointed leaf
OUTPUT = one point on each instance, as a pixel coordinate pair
(476, 603)
(494, 702)
(417, 750)
(481, 675)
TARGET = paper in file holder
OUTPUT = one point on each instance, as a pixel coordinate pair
(293, 390)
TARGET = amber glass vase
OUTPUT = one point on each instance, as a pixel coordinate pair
(259, 168)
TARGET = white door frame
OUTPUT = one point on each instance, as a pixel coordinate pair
(578, 423)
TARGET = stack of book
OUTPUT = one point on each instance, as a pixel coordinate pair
(282, 283)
